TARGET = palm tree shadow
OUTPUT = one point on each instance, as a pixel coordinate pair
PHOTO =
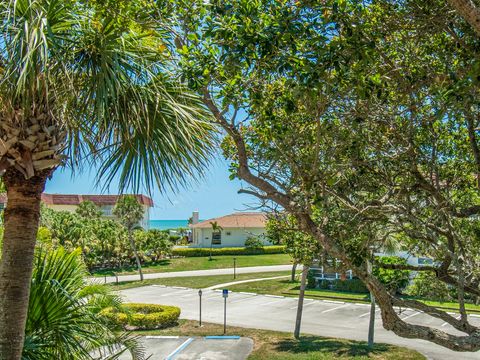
(307, 344)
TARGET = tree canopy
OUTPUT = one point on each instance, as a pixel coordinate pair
(360, 120)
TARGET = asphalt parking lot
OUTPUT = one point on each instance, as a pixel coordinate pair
(198, 348)
(325, 318)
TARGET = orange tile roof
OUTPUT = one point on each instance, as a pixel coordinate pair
(235, 220)
(74, 199)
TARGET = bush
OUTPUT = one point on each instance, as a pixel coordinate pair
(193, 252)
(353, 285)
(427, 286)
(143, 316)
(253, 243)
(311, 281)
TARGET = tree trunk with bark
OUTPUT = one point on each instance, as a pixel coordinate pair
(469, 11)
(301, 297)
(21, 220)
(294, 269)
(137, 258)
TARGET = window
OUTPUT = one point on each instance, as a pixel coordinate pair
(229, 233)
(216, 238)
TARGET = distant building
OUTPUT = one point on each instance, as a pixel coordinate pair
(236, 229)
(69, 202)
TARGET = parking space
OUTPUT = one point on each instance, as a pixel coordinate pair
(199, 348)
(158, 347)
(217, 349)
(320, 317)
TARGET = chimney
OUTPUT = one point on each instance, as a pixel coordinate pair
(195, 218)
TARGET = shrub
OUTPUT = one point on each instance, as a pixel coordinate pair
(353, 285)
(426, 285)
(253, 243)
(311, 281)
(143, 316)
(192, 252)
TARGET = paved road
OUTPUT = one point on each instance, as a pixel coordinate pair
(325, 318)
(227, 271)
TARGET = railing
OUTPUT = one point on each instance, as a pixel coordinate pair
(320, 275)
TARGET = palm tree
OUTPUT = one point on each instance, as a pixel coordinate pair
(129, 212)
(65, 314)
(216, 229)
(76, 80)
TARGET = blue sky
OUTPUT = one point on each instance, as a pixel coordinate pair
(214, 196)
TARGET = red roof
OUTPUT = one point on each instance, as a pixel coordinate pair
(235, 220)
(73, 199)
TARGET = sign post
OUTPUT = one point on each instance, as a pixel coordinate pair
(200, 298)
(234, 268)
(225, 295)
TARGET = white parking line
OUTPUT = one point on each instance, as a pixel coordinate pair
(244, 298)
(368, 313)
(304, 304)
(161, 337)
(174, 353)
(446, 323)
(271, 302)
(333, 302)
(411, 315)
(335, 308)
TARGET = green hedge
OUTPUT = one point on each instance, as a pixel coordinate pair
(353, 285)
(143, 316)
(192, 252)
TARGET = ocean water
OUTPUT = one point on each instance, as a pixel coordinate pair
(168, 224)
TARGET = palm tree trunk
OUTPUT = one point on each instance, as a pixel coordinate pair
(301, 296)
(137, 259)
(21, 220)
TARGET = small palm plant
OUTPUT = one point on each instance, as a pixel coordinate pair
(129, 212)
(82, 81)
(64, 313)
(216, 229)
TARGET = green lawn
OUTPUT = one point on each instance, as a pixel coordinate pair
(202, 263)
(197, 282)
(274, 345)
(287, 288)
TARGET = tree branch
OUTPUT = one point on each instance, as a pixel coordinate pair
(469, 11)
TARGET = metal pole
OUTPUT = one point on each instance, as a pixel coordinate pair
(234, 268)
(200, 298)
(224, 316)
(371, 326)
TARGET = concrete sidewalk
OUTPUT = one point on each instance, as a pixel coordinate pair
(227, 271)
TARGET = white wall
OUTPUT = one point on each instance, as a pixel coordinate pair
(231, 237)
